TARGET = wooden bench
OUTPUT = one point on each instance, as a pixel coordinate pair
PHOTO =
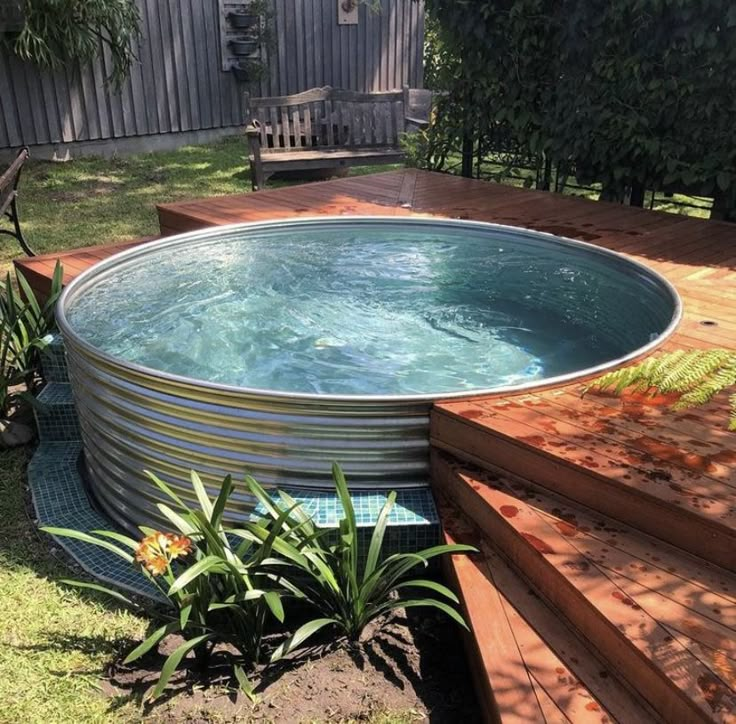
(329, 128)
(9, 199)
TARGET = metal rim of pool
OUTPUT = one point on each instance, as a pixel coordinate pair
(89, 277)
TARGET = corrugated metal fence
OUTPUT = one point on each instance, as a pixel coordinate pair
(178, 85)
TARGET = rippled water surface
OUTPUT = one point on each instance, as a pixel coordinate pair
(388, 308)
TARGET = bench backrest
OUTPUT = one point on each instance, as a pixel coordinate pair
(9, 180)
(330, 117)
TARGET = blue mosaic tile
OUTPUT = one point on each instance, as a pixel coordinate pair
(56, 415)
(53, 361)
(413, 523)
(414, 506)
(61, 501)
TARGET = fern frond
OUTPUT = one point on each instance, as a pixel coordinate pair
(706, 389)
(692, 368)
(637, 376)
(696, 375)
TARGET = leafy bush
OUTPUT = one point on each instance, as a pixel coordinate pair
(220, 593)
(696, 376)
(55, 32)
(24, 328)
(632, 94)
(330, 577)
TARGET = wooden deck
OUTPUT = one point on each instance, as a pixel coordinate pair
(618, 513)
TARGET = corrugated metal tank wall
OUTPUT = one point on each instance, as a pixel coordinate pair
(179, 85)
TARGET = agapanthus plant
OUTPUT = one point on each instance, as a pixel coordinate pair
(327, 572)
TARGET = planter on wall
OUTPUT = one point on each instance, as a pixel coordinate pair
(243, 21)
(247, 48)
(242, 75)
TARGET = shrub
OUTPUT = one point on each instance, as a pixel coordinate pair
(632, 94)
(330, 577)
(223, 584)
(57, 32)
(25, 324)
(220, 593)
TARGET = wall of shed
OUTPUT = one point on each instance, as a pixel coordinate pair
(178, 87)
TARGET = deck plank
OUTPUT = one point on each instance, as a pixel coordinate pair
(528, 667)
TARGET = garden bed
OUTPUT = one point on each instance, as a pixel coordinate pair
(412, 669)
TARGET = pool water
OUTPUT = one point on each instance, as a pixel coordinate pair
(390, 308)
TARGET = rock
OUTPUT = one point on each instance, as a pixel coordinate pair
(15, 434)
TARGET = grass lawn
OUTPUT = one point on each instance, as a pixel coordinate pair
(94, 201)
(54, 642)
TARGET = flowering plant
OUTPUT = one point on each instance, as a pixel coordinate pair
(158, 550)
(218, 593)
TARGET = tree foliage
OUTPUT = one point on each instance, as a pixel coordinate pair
(631, 93)
(56, 32)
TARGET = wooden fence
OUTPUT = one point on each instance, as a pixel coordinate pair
(178, 85)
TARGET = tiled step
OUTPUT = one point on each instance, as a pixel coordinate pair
(413, 523)
(56, 416)
(661, 618)
(674, 478)
(528, 665)
(61, 501)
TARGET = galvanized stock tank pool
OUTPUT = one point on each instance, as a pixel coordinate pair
(279, 347)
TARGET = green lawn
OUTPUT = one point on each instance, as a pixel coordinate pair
(54, 642)
(95, 201)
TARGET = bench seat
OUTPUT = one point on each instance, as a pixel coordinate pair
(326, 128)
(328, 157)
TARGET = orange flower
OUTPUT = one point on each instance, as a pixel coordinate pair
(157, 566)
(179, 546)
(156, 551)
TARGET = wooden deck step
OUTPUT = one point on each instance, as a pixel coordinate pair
(672, 475)
(528, 665)
(661, 618)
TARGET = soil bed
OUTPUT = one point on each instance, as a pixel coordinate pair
(413, 669)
